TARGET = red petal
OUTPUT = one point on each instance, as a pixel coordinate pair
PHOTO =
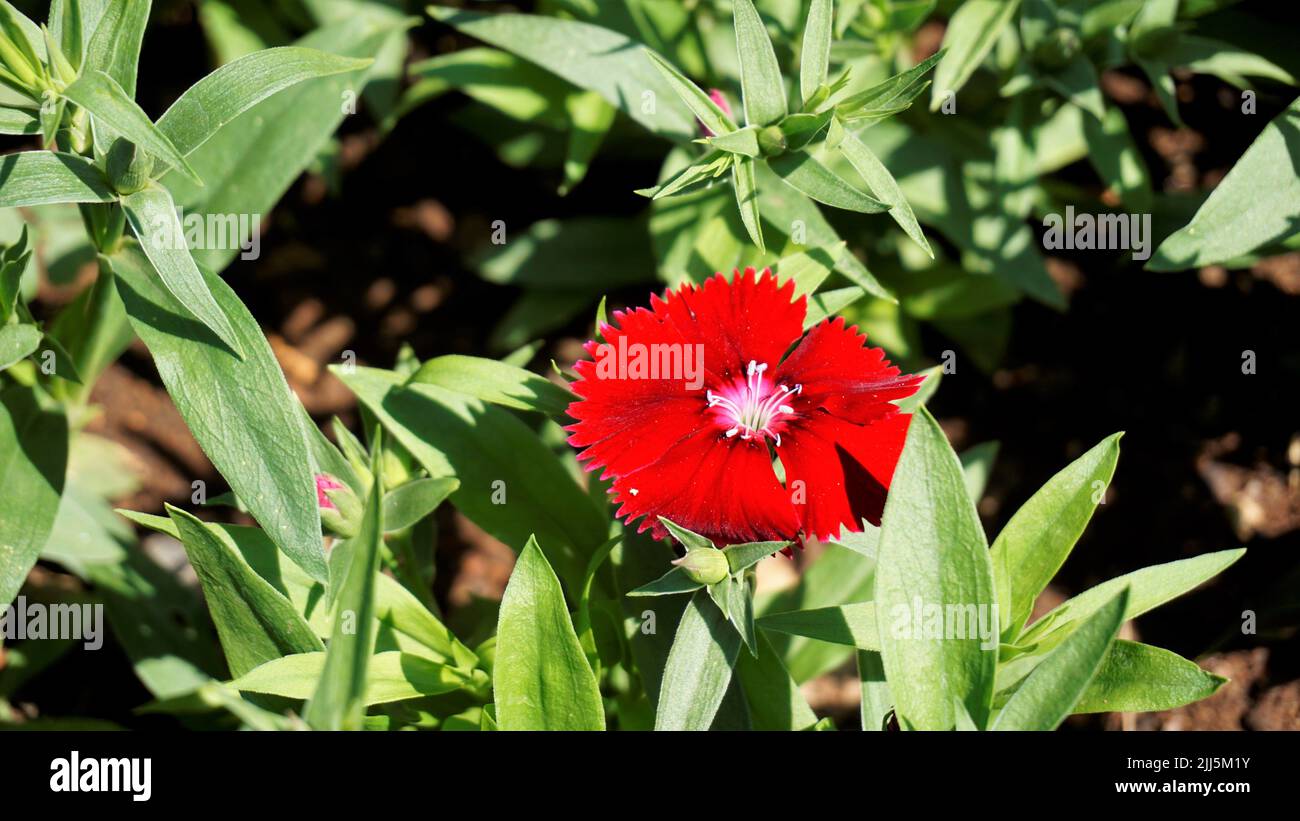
(845, 470)
(748, 318)
(721, 488)
(840, 374)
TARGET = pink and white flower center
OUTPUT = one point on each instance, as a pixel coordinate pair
(755, 407)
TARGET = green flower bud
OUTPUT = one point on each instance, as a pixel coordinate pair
(129, 168)
(1057, 49)
(771, 141)
(704, 566)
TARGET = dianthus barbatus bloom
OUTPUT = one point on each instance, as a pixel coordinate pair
(684, 405)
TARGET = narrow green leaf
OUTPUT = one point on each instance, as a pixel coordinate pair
(805, 174)
(250, 162)
(709, 113)
(814, 62)
(1138, 678)
(1251, 209)
(240, 411)
(1050, 692)
(495, 382)
(883, 184)
(1112, 151)
(108, 102)
(588, 56)
(746, 185)
(853, 625)
(158, 227)
(892, 95)
(760, 76)
(971, 33)
(33, 462)
(44, 177)
(411, 502)
(338, 702)
(744, 556)
(933, 552)
(1148, 588)
(390, 676)
(590, 118)
(497, 459)
(255, 623)
(773, 697)
(877, 701)
(1077, 82)
(114, 48)
(1036, 541)
(699, 667)
(540, 676)
(671, 583)
(20, 121)
(743, 141)
(223, 95)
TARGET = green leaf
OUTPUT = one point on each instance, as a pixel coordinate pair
(1049, 693)
(932, 549)
(20, 121)
(108, 102)
(1252, 208)
(744, 556)
(735, 596)
(746, 185)
(671, 583)
(240, 411)
(540, 676)
(970, 35)
(494, 382)
(411, 502)
(223, 95)
(44, 177)
(760, 75)
(1148, 588)
(701, 105)
(1078, 83)
(492, 453)
(338, 702)
(805, 174)
(585, 254)
(33, 462)
(877, 701)
(708, 167)
(114, 48)
(1113, 153)
(158, 227)
(250, 162)
(773, 697)
(255, 623)
(1138, 678)
(590, 118)
(1036, 541)
(743, 141)
(853, 625)
(891, 96)
(590, 57)
(389, 676)
(699, 667)
(17, 343)
(883, 184)
(829, 303)
(814, 62)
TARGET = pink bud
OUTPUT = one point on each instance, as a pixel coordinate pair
(721, 100)
(326, 482)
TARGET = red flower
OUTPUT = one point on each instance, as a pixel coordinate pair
(685, 404)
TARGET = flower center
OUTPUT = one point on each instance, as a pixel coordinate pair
(754, 407)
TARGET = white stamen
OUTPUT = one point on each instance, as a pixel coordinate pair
(754, 408)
